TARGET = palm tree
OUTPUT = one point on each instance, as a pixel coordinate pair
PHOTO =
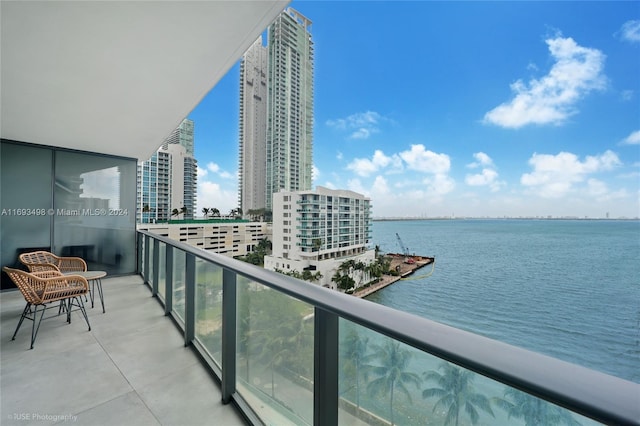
(175, 212)
(391, 372)
(183, 211)
(355, 352)
(214, 212)
(456, 393)
(534, 411)
(317, 244)
(205, 211)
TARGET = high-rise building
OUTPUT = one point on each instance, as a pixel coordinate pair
(253, 128)
(284, 154)
(168, 180)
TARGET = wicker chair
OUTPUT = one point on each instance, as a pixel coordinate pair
(39, 289)
(45, 261)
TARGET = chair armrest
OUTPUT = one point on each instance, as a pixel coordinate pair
(41, 267)
(48, 273)
(72, 264)
(62, 287)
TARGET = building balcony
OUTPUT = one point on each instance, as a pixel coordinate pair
(131, 368)
(211, 344)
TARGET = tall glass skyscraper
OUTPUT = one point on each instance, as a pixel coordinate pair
(288, 126)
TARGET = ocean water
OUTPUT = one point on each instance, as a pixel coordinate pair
(565, 288)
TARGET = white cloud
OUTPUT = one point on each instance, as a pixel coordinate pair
(380, 186)
(201, 172)
(551, 100)
(365, 167)
(596, 187)
(315, 172)
(214, 168)
(360, 125)
(486, 177)
(439, 184)
(356, 186)
(630, 31)
(422, 160)
(212, 195)
(482, 160)
(339, 156)
(632, 139)
(554, 176)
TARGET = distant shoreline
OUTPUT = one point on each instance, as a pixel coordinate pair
(397, 219)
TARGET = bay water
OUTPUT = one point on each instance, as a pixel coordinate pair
(566, 288)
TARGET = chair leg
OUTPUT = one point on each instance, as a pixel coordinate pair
(34, 329)
(25, 311)
(68, 305)
(83, 310)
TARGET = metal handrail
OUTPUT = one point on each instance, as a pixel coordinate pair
(604, 398)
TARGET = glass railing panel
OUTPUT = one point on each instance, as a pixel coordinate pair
(383, 381)
(142, 250)
(274, 354)
(150, 248)
(208, 325)
(179, 270)
(162, 270)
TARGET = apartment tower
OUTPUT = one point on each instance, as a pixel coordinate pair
(168, 180)
(284, 154)
(253, 128)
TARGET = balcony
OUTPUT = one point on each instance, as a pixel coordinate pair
(283, 352)
(131, 368)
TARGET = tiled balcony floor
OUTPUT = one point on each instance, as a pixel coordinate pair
(131, 369)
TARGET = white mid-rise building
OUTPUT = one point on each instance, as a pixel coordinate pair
(320, 230)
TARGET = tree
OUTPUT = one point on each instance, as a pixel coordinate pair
(205, 211)
(390, 372)
(264, 245)
(355, 349)
(317, 244)
(456, 393)
(175, 212)
(534, 411)
(183, 211)
(343, 281)
(214, 212)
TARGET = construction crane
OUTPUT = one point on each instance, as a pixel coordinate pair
(405, 251)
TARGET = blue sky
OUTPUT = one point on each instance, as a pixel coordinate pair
(461, 108)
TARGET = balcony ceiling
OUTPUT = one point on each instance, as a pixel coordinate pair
(116, 77)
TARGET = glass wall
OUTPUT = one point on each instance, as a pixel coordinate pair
(69, 203)
(25, 202)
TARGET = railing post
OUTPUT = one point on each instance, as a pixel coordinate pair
(229, 331)
(146, 259)
(168, 281)
(189, 298)
(156, 267)
(325, 371)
